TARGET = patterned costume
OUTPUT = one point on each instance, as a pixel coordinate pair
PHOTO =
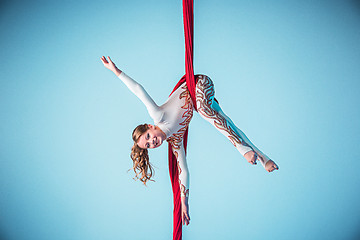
(174, 116)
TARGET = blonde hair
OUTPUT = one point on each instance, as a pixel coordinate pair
(141, 165)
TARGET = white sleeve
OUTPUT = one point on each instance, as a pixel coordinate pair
(153, 109)
(179, 152)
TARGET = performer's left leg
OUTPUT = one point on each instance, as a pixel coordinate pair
(211, 111)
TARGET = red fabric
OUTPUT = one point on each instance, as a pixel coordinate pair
(188, 15)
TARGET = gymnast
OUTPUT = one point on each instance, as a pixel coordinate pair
(171, 121)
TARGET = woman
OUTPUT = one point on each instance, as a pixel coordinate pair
(170, 123)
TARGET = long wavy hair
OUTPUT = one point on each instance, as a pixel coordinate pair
(140, 156)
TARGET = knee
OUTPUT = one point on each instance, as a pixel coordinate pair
(200, 76)
(204, 84)
(203, 78)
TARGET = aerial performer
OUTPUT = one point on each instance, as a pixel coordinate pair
(171, 122)
(172, 119)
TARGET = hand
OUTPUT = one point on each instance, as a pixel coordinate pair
(110, 65)
(185, 211)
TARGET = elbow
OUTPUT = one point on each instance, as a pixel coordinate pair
(137, 88)
(185, 172)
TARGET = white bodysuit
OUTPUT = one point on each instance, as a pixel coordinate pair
(173, 118)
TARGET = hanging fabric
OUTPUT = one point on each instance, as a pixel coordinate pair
(188, 16)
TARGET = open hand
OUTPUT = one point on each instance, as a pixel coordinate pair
(110, 65)
(185, 212)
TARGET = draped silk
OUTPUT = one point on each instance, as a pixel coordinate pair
(188, 16)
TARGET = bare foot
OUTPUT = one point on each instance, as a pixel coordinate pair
(271, 166)
(251, 157)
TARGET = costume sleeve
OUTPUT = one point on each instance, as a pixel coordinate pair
(179, 152)
(153, 109)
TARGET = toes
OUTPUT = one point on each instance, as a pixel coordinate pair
(271, 166)
(251, 157)
(275, 166)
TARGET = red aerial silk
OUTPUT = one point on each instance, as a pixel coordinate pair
(188, 15)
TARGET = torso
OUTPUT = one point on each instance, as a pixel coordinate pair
(177, 114)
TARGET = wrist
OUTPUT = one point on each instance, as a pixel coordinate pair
(184, 199)
(117, 71)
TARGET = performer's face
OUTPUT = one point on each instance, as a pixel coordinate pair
(152, 138)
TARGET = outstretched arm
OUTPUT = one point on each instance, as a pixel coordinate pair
(153, 109)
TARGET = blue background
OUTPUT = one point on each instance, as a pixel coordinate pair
(287, 72)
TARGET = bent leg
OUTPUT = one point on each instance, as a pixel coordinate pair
(210, 110)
